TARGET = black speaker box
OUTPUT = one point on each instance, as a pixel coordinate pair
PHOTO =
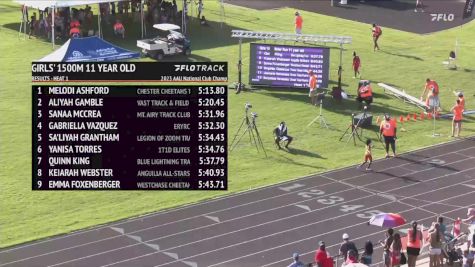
(365, 122)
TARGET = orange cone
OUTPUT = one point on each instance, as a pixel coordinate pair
(408, 117)
(401, 119)
(429, 116)
(422, 116)
(415, 116)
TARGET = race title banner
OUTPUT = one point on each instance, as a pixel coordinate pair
(203, 72)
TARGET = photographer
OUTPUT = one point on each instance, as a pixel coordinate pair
(280, 134)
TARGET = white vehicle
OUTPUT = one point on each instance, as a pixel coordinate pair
(169, 42)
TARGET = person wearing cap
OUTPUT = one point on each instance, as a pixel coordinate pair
(388, 129)
(346, 246)
(322, 257)
(460, 97)
(298, 23)
(432, 89)
(296, 262)
(280, 134)
(414, 242)
(457, 110)
(312, 85)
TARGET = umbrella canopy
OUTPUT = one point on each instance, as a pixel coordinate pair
(387, 220)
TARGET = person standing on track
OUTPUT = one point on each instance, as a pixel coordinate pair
(367, 155)
(376, 34)
(414, 242)
(388, 129)
(298, 23)
(457, 110)
(356, 65)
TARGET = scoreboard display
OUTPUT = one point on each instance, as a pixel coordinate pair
(134, 137)
(288, 66)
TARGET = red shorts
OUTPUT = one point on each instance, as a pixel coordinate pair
(368, 157)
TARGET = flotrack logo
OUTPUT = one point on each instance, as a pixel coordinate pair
(442, 17)
(199, 67)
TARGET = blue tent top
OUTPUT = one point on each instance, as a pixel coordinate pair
(89, 49)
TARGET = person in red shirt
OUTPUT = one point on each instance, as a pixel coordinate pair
(356, 65)
(74, 32)
(376, 34)
(388, 129)
(119, 29)
(461, 98)
(322, 257)
(298, 23)
(432, 89)
(457, 119)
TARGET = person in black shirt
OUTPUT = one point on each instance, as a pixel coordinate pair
(280, 134)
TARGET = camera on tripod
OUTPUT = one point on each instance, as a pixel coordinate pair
(254, 115)
(248, 106)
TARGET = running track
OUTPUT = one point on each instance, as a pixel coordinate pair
(263, 227)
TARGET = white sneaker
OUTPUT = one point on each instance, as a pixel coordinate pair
(415, 10)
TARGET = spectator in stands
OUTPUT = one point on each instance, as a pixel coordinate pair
(298, 23)
(346, 246)
(435, 245)
(296, 262)
(395, 250)
(119, 29)
(386, 244)
(356, 65)
(367, 256)
(351, 257)
(457, 111)
(414, 238)
(322, 257)
(376, 34)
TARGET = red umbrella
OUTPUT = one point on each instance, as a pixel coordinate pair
(387, 220)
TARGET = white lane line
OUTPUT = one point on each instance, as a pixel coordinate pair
(294, 242)
(239, 194)
(352, 187)
(294, 228)
(359, 237)
(307, 208)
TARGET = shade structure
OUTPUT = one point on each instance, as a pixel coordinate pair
(89, 49)
(387, 220)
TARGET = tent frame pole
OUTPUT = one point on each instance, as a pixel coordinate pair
(53, 26)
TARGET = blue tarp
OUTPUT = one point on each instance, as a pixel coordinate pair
(89, 49)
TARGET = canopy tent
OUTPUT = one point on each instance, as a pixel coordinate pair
(89, 49)
(53, 4)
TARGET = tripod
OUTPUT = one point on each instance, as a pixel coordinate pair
(320, 118)
(354, 129)
(251, 128)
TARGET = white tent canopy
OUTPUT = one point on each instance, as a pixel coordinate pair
(42, 4)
